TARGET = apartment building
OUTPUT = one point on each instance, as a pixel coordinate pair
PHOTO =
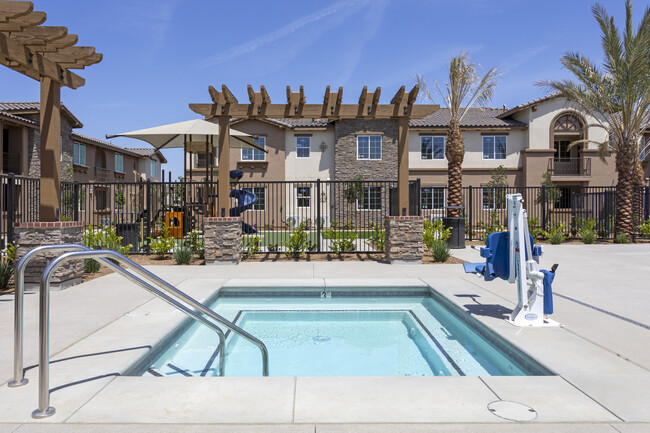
(83, 158)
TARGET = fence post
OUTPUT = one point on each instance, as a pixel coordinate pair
(149, 214)
(543, 207)
(647, 202)
(470, 209)
(75, 198)
(11, 209)
(573, 214)
(318, 215)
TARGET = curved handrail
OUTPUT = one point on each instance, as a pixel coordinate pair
(44, 409)
(19, 373)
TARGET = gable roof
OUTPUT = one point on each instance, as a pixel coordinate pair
(35, 107)
(101, 143)
(147, 152)
(520, 107)
(475, 118)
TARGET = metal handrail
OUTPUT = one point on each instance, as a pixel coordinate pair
(19, 372)
(44, 408)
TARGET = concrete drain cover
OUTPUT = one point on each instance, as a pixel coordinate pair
(512, 410)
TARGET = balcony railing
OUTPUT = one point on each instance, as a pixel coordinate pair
(569, 166)
(10, 163)
(102, 174)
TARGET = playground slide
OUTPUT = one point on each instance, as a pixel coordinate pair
(245, 201)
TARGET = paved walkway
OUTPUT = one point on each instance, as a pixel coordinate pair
(601, 356)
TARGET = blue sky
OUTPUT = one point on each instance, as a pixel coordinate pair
(159, 56)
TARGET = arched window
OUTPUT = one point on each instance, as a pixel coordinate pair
(567, 124)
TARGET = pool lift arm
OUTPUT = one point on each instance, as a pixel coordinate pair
(524, 269)
(512, 256)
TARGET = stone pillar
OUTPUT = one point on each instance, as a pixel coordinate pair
(404, 239)
(223, 240)
(29, 235)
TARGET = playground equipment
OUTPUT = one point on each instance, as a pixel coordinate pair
(245, 201)
(514, 257)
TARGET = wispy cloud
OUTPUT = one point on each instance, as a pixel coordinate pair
(337, 9)
(149, 18)
(524, 57)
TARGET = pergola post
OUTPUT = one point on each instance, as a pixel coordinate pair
(224, 167)
(50, 149)
(403, 166)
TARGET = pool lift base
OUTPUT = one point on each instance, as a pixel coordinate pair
(512, 256)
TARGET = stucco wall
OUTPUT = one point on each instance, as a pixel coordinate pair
(319, 165)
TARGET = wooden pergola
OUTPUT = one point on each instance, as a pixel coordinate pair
(46, 54)
(402, 108)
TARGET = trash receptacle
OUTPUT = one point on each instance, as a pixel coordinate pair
(457, 225)
(129, 233)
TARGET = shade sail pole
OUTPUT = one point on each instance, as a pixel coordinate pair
(50, 117)
(224, 166)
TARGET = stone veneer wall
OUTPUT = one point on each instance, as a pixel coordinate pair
(29, 235)
(34, 149)
(404, 239)
(348, 167)
(223, 240)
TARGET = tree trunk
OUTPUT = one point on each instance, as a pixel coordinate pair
(624, 189)
(455, 153)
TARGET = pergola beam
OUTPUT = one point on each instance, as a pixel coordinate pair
(20, 23)
(14, 9)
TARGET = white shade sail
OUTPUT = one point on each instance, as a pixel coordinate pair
(191, 135)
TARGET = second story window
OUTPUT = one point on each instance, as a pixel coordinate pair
(154, 168)
(369, 147)
(494, 147)
(119, 162)
(432, 147)
(303, 147)
(79, 154)
(255, 154)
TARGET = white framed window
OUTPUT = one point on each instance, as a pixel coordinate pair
(119, 162)
(260, 193)
(368, 146)
(371, 198)
(494, 197)
(153, 165)
(432, 147)
(79, 154)
(255, 154)
(432, 197)
(494, 147)
(303, 147)
(303, 196)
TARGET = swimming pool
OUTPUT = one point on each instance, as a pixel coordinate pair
(343, 332)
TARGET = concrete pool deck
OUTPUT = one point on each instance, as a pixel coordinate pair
(98, 329)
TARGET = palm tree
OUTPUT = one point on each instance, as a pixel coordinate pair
(463, 90)
(617, 96)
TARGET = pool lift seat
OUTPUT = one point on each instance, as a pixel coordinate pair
(513, 256)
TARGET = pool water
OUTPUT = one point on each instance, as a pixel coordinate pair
(343, 334)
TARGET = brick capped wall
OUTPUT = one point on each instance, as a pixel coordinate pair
(35, 234)
(223, 240)
(404, 239)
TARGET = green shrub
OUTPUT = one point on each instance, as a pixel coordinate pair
(312, 247)
(588, 236)
(644, 229)
(10, 253)
(345, 242)
(105, 239)
(621, 238)
(91, 266)
(273, 247)
(440, 250)
(162, 245)
(305, 224)
(6, 272)
(604, 226)
(183, 256)
(535, 230)
(197, 244)
(434, 231)
(377, 237)
(251, 244)
(556, 234)
(296, 244)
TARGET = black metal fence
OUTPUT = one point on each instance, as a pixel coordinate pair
(19, 202)
(320, 216)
